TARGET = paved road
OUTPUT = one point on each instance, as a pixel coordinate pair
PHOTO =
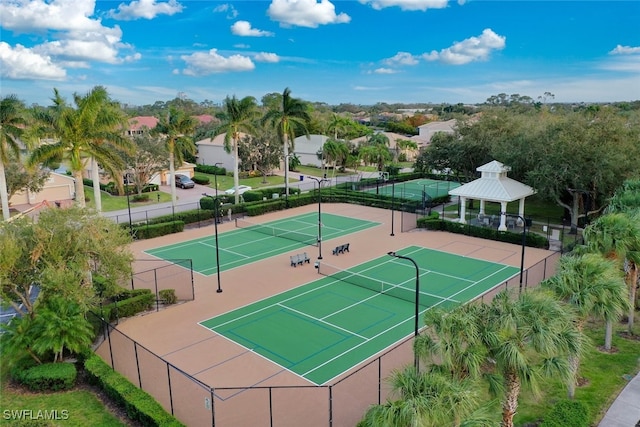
(188, 198)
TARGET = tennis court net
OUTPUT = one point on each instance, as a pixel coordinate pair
(386, 288)
(296, 236)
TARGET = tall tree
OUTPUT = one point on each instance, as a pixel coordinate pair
(90, 132)
(527, 338)
(177, 128)
(617, 237)
(290, 118)
(236, 116)
(12, 122)
(335, 152)
(260, 150)
(592, 286)
(61, 252)
(150, 157)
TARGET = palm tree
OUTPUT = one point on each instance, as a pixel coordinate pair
(452, 343)
(526, 338)
(177, 129)
(237, 116)
(11, 126)
(424, 399)
(289, 118)
(377, 154)
(335, 152)
(62, 324)
(617, 236)
(91, 130)
(593, 286)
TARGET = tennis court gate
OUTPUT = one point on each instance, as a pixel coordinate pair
(343, 403)
(159, 274)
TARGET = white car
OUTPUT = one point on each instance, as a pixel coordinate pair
(241, 189)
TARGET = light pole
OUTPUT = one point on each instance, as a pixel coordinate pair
(286, 180)
(126, 191)
(215, 177)
(216, 206)
(417, 304)
(393, 191)
(319, 181)
(215, 180)
(525, 223)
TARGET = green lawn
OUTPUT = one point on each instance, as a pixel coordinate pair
(75, 408)
(114, 203)
(604, 376)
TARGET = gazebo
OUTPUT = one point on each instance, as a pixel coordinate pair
(493, 186)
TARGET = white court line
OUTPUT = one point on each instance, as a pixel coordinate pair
(321, 321)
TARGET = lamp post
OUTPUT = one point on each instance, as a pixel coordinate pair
(319, 181)
(215, 180)
(417, 304)
(216, 206)
(126, 191)
(393, 192)
(525, 222)
(286, 180)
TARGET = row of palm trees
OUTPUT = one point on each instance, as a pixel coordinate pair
(516, 341)
(89, 133)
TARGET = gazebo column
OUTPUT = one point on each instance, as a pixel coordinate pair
(521, 212)
(463, 208)
(481, 206)
(503, 217)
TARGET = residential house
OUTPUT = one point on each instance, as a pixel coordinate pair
(58, 188)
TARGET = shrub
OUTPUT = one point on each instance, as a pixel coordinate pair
(140, 198)
(130, 306)
(211, 170)
(200, 180)
(50, 377)
(168, 296)
(567, 413)
(155, 230)
(140, 406)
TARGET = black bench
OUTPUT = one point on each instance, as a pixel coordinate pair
(341, 249)
(299, 259)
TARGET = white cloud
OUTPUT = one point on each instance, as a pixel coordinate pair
(385, 71)
(243, 28)
(625, 50)
(147, 9)
(469, 50)
(23, 63)
(267, 57)
(305, 13)
(422, 5)
(205, 63)
(37, 15)
(231, 12)
(401, 58)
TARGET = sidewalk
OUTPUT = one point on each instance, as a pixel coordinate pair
(625, 410)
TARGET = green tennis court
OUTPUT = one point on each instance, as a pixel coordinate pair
(253, 242)
(324, 328)
(416, 189)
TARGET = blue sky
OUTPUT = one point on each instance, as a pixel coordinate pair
(333, 51)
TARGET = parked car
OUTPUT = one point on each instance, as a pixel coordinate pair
(241, 189)
(184, 181)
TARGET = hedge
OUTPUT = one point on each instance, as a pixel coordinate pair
(211, 170)
(129, 307)
(532, 239)
(48, 376)
(148, 231)
(140, 406)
